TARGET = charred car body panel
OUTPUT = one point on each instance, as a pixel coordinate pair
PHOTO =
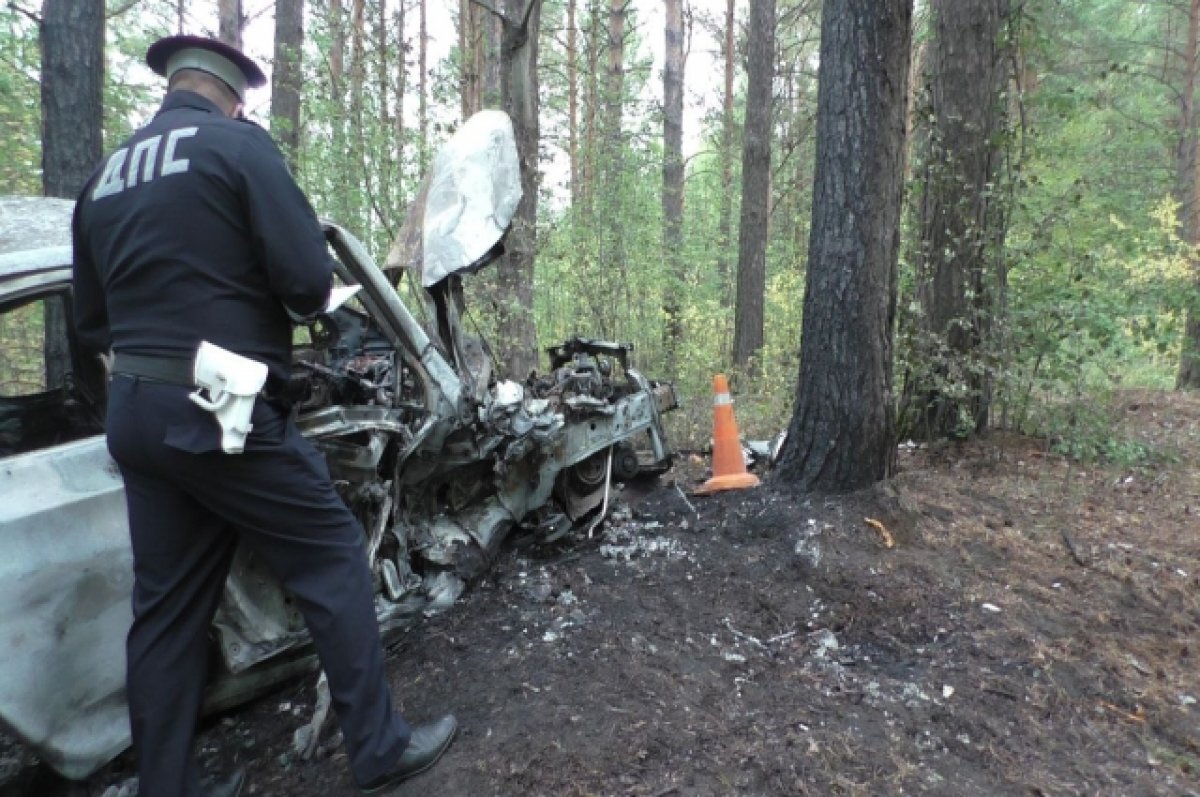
(436, 458)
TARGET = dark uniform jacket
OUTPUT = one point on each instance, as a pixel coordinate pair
(195, 230)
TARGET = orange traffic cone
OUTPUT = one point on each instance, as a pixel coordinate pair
(728, 464)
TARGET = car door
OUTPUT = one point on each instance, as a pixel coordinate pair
(65, 563)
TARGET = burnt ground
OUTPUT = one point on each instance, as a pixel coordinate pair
(1034, 630)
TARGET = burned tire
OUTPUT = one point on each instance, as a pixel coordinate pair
(625, 463)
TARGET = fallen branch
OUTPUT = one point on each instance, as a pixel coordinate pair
(888, 540)
(1070, 543)
(1139, 716)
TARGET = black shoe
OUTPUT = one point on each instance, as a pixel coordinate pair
(425, 747)
(230, 787)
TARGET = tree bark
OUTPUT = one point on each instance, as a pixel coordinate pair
(492, 32)
(470, 44)
(337, 49)
(842, 433)
(512, 296)
(573, 101)
(401, 88)
(287, 77)
(72, 39)
(1188, 193)
(672, 192)
(423, 85)
(230, 22)
(591, 133)
(725, 219)
(614, 149)
(960, 222)
(756, 184)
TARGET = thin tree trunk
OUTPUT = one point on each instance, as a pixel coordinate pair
(756, 185)
(471, 58)
(401, 88)
(230, 22)
(842, 434)
(591, 133)
(423, 86)
(573, 101)
(614, 149)
(287, 78)
(672, 193)
(357, 87)
(180, 16)
(337, 49)
(1188, 195)
(384, 149)
(725, 220)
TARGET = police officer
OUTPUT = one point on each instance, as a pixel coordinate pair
(194, 230)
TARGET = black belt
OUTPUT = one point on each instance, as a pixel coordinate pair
(173, 370)
(178, 371)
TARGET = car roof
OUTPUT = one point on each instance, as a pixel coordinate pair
(35, 243)
(34, 222)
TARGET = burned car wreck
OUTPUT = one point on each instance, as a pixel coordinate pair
(437, 458)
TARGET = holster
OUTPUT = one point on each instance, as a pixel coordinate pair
(232, 383)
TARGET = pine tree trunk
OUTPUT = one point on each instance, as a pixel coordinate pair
(519, 87)
(573, 101)
(401, 87)
(337, 49)
(359, 159)
(591, 102)
(725, 219)
(672, 194)
(230, 22)
(1188, 194)
(423, 85)
(287, 77)
(614, 149)
(842, 434)
(756, 185)
(72, 38)
(490, 68)
(967, 71)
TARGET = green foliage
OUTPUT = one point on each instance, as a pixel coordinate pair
(20, 105)
(1098, 281)
(22, 364)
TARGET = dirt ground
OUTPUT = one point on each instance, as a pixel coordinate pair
(1034, 630)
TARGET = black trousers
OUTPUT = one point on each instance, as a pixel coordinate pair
(190, 505)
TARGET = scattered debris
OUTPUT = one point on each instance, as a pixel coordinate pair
(825, 642)
(307, 738)
(126, 788)
(690, 505)
(990, 607)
